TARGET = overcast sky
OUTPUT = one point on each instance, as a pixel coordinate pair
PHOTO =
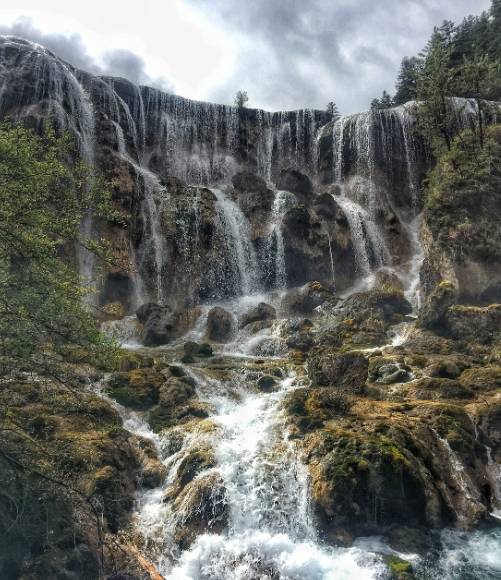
(285, 53)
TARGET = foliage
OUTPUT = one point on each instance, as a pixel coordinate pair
(44, 193)
(241, 99)
(462, 195)
(475, 37)
(333, 111)
(407, 80)
(385, 102)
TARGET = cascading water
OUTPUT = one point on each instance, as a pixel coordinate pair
(238, 239)
(270, 531)
(493, 471)
(369, 244)
(275, 248)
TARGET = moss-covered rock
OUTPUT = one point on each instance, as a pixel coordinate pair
(346, 372)
(138, 389)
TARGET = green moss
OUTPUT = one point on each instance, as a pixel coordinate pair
(399, 569)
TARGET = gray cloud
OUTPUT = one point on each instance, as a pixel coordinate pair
(72, 49)
(293, 53)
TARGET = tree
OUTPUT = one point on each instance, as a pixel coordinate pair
(241, 99)
(407, 80)
(43, 194)
(434, 87)
(385, 102)
(478, 78)
(333, 111)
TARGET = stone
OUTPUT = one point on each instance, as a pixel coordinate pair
(159, 324)
(346, 372)
(304, 300)
(295, 182)
(261, 312)
(220, 325)
(266, 383)
(248, 182)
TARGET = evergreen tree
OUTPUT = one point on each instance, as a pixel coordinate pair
(478, 78)
(407, 80)
(333, 111)
(434, 87)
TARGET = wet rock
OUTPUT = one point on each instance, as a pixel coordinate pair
(220, 325)
(346, 372)
(304, 300)
(248, 182)
(261, 312)
(408, 540)
(295, 182)
(266, 384)
(138, 389)
(159, 324)
(433, 312)
(388, 371)
(201, 507)
(193, 349)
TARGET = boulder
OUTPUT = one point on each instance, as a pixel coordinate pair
(220, 325)
(159, 324)
(260, 312)
(138, 389)
(346, 372)
(248, 182)
(433, 312)
(304, 300)
(295, 182)
(192, 349)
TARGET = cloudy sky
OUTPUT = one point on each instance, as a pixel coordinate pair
(285, 53)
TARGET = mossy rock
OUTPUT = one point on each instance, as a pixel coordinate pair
(482, 379)
(138, 389)
(399, 569)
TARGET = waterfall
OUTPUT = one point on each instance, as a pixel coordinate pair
(368, 242)
(155, 198)
(467, 493)
(238, 242)
(275, 248)
(493, 471)
(270, 528)
(382, 148)
(411, 278)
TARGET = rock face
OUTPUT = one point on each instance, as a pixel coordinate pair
(159, 324)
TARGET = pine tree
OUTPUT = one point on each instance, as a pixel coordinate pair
(407, 80)
(333, 111)
(434, 87)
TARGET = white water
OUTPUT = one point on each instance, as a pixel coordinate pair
(493, 471)
(368, 243)
(270, 527)
(275, 248)
(466, 490)
(239, 245)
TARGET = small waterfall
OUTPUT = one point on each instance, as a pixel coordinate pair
(275, 249)
(155, 198)
(493, 472)
(467, 494)
(238, 241)
(411, 278)
(383, 148)
(368, 242)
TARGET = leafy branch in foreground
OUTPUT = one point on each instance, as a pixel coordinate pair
(44, 193)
